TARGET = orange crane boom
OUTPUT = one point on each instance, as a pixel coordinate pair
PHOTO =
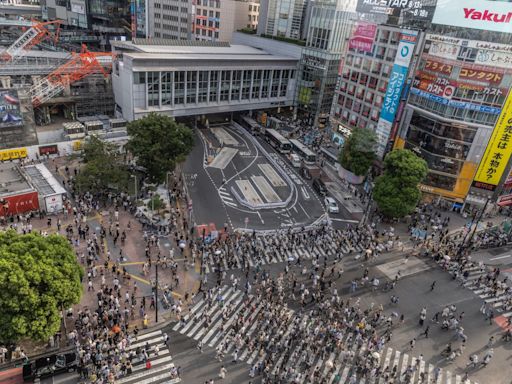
(31, 37)
(81, 65)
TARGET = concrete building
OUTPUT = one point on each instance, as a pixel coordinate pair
(365, 73)
(282, 18)
(460, 86)
(329, 26)
(199, 78)
(170, 19)
(216, 20)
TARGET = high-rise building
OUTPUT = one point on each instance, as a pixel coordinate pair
(216, 20)
(462, 78)
(282, 18)
(365, 73)
(329, 26)
(170, 19)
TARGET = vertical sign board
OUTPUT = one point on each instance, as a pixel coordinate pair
(498, 151)
(396, 83)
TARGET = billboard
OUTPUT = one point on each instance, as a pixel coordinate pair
(416, 9)
(476, 14)
(15, 153)
(498, 151)
(140, 18)
(395, 86)
(10, 111)
(363, 37)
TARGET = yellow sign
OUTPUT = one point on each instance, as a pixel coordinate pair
(77, 145)
(16, 153)
(498, 151)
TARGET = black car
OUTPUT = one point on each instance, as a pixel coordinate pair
(50, 365)
(319, 186)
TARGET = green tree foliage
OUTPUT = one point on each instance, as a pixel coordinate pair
(358, 153)
(104, 167)
(396, 190)
(158, 142)
(38, 276)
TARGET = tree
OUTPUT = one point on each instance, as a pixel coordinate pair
(104, 167)
(396, 190)
(358, 153)
(158, 142)
(38, 277)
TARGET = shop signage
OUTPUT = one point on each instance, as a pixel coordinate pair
(17, 153)
(498, 151)
(475, 14)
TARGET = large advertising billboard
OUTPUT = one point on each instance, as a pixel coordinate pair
(363, 37)
(476, 14)
(498, 151)
(396, 83)
(10, 111)
(415, 9)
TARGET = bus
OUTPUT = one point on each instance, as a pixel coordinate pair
(249, 124)
(304, 152)
(330, 157)
(277, 141)
(73, 130)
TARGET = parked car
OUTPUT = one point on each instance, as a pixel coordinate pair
(50, 365)
(331, 205)
(319, 186)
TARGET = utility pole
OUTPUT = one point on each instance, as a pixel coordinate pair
(478, 221)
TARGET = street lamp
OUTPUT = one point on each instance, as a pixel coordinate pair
(135, 184)
(463, 245)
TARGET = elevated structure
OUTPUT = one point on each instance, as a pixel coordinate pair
(199, 78)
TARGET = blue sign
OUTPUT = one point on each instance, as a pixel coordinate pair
(455, 103)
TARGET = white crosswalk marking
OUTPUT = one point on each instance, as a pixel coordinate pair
(336, 366)
(161, 364)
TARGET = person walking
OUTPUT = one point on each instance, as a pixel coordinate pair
(222, 372)
(433, 285)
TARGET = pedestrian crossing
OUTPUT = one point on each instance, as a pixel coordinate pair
(500, 301)
(336, 366)
(275, 249)
(161, 370)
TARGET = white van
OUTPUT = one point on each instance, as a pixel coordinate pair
(295, 159)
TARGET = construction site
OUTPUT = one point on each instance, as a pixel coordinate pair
(46, 82)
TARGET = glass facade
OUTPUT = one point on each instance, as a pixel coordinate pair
(204, 87)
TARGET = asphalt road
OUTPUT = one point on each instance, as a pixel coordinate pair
(211, 188)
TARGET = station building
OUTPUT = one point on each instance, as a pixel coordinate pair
(198, 78)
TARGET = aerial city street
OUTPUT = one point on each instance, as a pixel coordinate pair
(255, 192)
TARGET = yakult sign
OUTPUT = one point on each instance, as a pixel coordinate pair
(477, 14)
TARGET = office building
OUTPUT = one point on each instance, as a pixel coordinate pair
(329, 26)
(365, 73)
(216, 20)
(170, 19)
(282, 18)
(199, 78)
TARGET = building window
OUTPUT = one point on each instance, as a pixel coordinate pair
(235, 85)
(224, 85)
(153, 87)
(166, 84)
(255, 94)
(266, 84)
(214, 85)
(275, 83)
(179, 87)
(246, 85)
(203, 87)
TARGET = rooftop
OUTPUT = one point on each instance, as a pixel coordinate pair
(12, 180)
(42, 179)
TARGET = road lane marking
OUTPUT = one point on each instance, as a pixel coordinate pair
(344, 220)
(500, 257)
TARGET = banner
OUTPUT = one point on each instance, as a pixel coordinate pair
(475, 14)
(494, 58)
(11, 154)
(498, 151)
(438, 66)
(363, 37)
(395, 86)
(444, 50)
(10, 111)
(439, 85)
(456, 103)
(415, 9)
(480, 75)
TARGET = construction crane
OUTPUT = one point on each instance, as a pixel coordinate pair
(81, 65)
(31, 37)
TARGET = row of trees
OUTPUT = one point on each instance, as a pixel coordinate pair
(396, 189)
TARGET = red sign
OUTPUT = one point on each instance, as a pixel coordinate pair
(363, 37)
(480, 75)
(16, 204)
(437, 66)
(442, 86)
(48, 150)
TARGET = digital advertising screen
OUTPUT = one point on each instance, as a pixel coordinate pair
(10, 111)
